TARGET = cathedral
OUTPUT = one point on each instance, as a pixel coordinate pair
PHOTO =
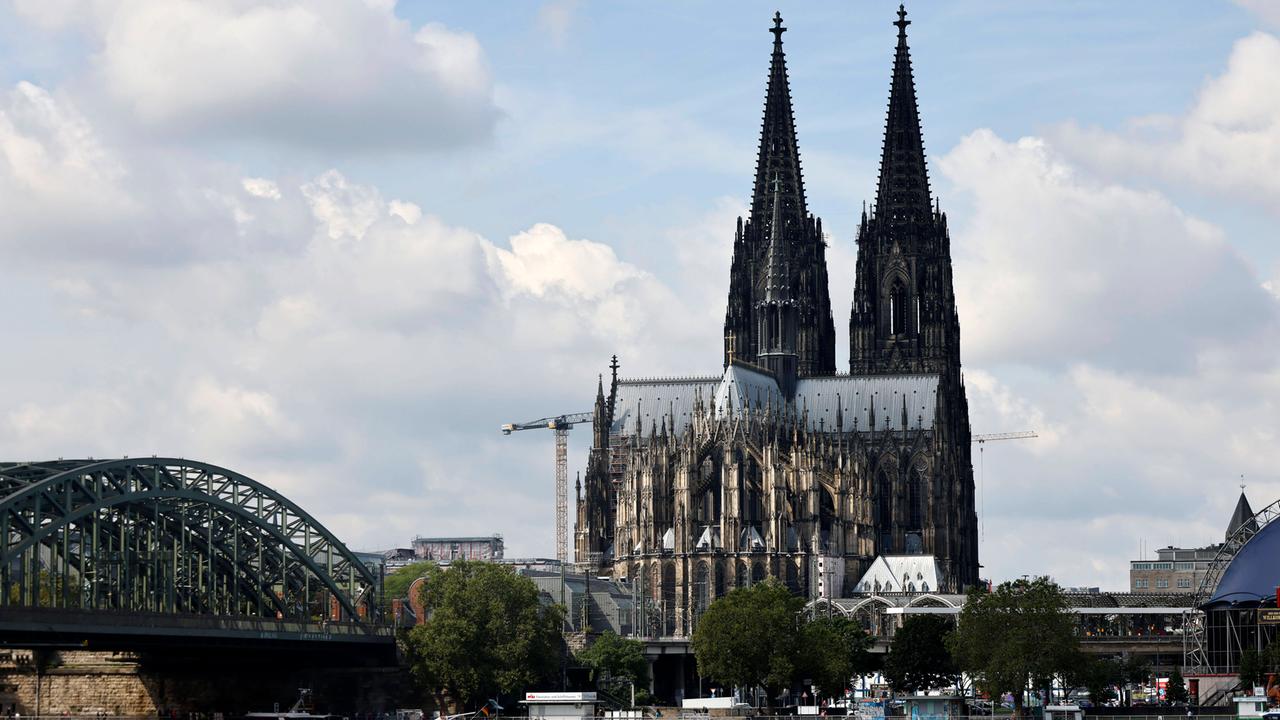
(780, 466)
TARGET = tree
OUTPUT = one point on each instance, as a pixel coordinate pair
(619, 658)
(1133, 671)
(749, 637)
(1250, 668)
(396, 585)
(918, 658)
(1175, 691)
(486, 633)
(1098, 676)
(1019, 633)
(832, 651)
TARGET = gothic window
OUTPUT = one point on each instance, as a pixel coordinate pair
(915, 500)
(826, 520)
(897, 308)
(669, 598)
(701, 587)
(757, 573)
(743, 578)
(719, 580)
(884, 511)
(793, 580)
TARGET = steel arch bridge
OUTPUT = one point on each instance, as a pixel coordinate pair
(173, 538)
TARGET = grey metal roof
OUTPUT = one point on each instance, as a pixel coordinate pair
(674, 399)
(859, 395)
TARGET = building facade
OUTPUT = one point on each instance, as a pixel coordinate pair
(778, 466)
(444, 549)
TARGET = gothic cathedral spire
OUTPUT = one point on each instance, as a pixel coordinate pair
(904, 316)
(778, 209)
(903, 192)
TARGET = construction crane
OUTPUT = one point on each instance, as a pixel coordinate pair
(982, 441)
(989, 437)
(561, 424)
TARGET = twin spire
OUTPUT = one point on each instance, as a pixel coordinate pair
(903, 192)
(779, 158)
(903, 188)
(780, 250)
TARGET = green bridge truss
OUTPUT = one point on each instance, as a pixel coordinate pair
(172, 537)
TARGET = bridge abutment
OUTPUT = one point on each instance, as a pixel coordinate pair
(173, 684)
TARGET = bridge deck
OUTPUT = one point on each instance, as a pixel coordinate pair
(106, 627)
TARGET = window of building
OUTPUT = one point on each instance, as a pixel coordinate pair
(1139, 583)
(1162, 583)
(897, 309)
(1184, 582)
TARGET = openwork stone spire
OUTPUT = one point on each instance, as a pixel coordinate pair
(903, 193)
(779, 156)
(780, 221)
(777, 270)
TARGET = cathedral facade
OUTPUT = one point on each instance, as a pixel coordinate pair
(779, 466)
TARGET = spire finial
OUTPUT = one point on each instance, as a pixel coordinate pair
(777, 28)
(902, 22)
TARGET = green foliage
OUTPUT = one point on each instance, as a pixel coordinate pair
(749, 637)
(1019, 633)
(832, 651)
(396, 585)
(1097, 676)
(1176, 690)
(618, 657)
(1251, 669)
(486, 634)
(1269, 658)
(918, 658)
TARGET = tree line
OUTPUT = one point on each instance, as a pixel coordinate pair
(487, 635)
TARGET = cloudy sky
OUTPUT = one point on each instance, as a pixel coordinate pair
(335, 244)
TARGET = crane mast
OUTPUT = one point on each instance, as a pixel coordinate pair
(561, 425)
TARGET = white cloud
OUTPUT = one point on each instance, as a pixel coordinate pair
(1266, 10)
(1131, 335)
(261, 187)
(543, 260)
(555, 18)
(69, 198)
(1227, 143)
(1055, 267)
(324, 73)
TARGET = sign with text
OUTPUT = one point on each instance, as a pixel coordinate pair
(1269, 616)
(559, 697)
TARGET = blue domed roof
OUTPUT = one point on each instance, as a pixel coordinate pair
(1254, 574)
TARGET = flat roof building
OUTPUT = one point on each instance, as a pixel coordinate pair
(445, 549)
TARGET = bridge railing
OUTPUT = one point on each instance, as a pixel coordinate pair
(127, 621)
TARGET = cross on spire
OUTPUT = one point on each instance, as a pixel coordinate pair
(902, 22)
(777, 28)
